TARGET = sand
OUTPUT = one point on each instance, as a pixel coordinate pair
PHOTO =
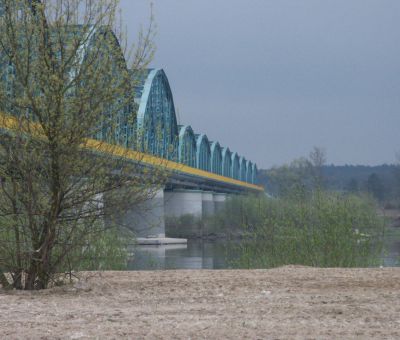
(284, 303)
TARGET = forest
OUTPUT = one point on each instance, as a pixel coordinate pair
(381, 181)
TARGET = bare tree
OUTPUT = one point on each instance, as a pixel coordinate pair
(67, 142)
(290, 180)
(318, 160)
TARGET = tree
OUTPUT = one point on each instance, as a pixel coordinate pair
(65, 81)
(397, 177)
(352, 185)
(318, 160)
(299, 177)
(290, 179)
(375, 187)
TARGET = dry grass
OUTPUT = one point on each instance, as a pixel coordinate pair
(288, 302)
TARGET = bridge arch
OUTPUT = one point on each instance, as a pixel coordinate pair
(235, 172)
(243, 169)
(144, 112)
(226, 162)
(255, 174)
(187, 146)
(216, 158)
(249, 172)
(94, 44)
(157, 127)
(203, 152)
(116, 126)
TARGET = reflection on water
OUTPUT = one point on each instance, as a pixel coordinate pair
(200, 254)
(391, 255)
(197, 254)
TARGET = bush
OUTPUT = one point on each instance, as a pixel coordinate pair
(185, 226)
(105, 251)
(325, 230)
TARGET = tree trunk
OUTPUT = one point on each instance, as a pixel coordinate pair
(38, 275)
(17, 278)
(4, 282)
(31, 276)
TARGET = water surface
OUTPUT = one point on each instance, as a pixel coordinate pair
(201, 254)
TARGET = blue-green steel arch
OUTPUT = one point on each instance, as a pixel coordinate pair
(156, 118)
(235, 166)
(249, 172)
(255, 174)
(226, 162)
(216, 158)
(114, 126)
(150, 119)
(243, 169)
(123, 131)
(118, 117)
(203, 152)
(187, 146)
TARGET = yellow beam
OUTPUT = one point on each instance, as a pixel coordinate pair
(11, 123)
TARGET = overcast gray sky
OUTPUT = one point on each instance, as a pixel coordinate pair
(272, 78)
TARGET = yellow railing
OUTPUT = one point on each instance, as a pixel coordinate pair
(11, 123)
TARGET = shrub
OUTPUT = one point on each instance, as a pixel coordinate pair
(325, 230)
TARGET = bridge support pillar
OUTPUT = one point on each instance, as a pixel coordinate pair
(183, 202)
(219, 201)
(146, 219)
(199, 204)
(208, 205)
(193, 202)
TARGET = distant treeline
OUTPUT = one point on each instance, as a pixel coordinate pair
(359, 177)
(382, 181)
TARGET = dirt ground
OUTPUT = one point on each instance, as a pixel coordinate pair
(283, 303)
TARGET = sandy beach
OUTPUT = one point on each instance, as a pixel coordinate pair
(283, 303)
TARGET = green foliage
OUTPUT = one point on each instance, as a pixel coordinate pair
(375, 187)
(66, 82)
(352, 186)
(103, 248)
(240, 215)
(191, 227)
(186, 226)
(296, 177)
(396, 186)
(325, 230)
(105, 251)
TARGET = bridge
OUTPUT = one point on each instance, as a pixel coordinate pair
(205, 164)
(203, 172)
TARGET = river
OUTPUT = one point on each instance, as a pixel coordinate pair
(204, 254)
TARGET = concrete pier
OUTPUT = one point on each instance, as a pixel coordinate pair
(183, 202)
(147, 219)
(219, 201)
(208, 206)
(197, 203)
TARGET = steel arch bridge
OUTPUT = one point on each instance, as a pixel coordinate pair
(156, 131)
(161, 136)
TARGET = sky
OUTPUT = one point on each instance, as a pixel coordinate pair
(271, 79)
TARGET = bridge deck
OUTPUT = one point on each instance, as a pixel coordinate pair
(10, 123)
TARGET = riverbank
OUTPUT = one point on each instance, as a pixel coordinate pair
(287, 302)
